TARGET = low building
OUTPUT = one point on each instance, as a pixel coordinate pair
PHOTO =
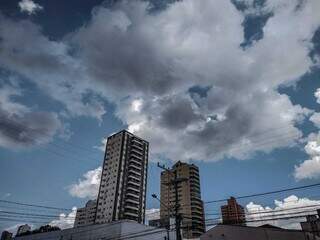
(233, 213)
(86, 215)
(124, 229)
(240, 232)
(312, 224)
(155, 223)
(6, 235)
(23, 229)
(162, 223)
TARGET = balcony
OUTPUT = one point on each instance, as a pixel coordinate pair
(139, 147)
(136, 161)
(130, 200)
(134, 140)
(135, 215)
(198, 214)
(134, 182)
(132, 211)
(133, 176)
(135, 170)
(130, 194)
(135, 208)
(136, 152)
(196, 208)
(133, 189)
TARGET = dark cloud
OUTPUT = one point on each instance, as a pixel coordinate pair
(20, 126)
(178, 113)
(125, 54)
(28, 130)
(122, 54)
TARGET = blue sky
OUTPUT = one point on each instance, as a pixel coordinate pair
(233, 90)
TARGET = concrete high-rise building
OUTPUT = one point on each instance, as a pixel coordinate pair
(86, 215)
(189, 199)
(233, 213)
(122, 192)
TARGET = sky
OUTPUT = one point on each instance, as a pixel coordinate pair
(231, 86)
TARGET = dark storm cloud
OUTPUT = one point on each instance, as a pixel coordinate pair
(30, 129)
(20, 126)
(124, 54)
(178, 113)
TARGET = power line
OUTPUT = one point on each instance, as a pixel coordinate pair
(31, 214)
(13, 129)
(34, 205)
(271, 210)
(266, 193)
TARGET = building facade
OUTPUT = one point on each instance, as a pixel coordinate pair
(123, 229)
(122, 192)
(189, 199)
(240, 232)
(233, 213)
(86, 215)
(312, 224)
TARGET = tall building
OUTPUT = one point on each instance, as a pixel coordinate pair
(189, 199)
(86, 215)
(233, 213)
(122, 192)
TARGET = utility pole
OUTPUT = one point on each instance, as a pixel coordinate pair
(175, 183)
(169, 213)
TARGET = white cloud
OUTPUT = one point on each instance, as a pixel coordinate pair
(102, 147)
(136, 105)
(165, 55)
(88, 186)
(315, 118)
(290, 206)
(310, 168)
(317, 95)
(29, 6)
(65, 220)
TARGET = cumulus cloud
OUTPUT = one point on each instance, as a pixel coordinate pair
(88, 186)
(310, 168)
(317, 95)
(20, 126)
(148, 64)
(65, 220)
(288, 207)
(242, 112)
(49, 65)
(315, 118)
(29, 6)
